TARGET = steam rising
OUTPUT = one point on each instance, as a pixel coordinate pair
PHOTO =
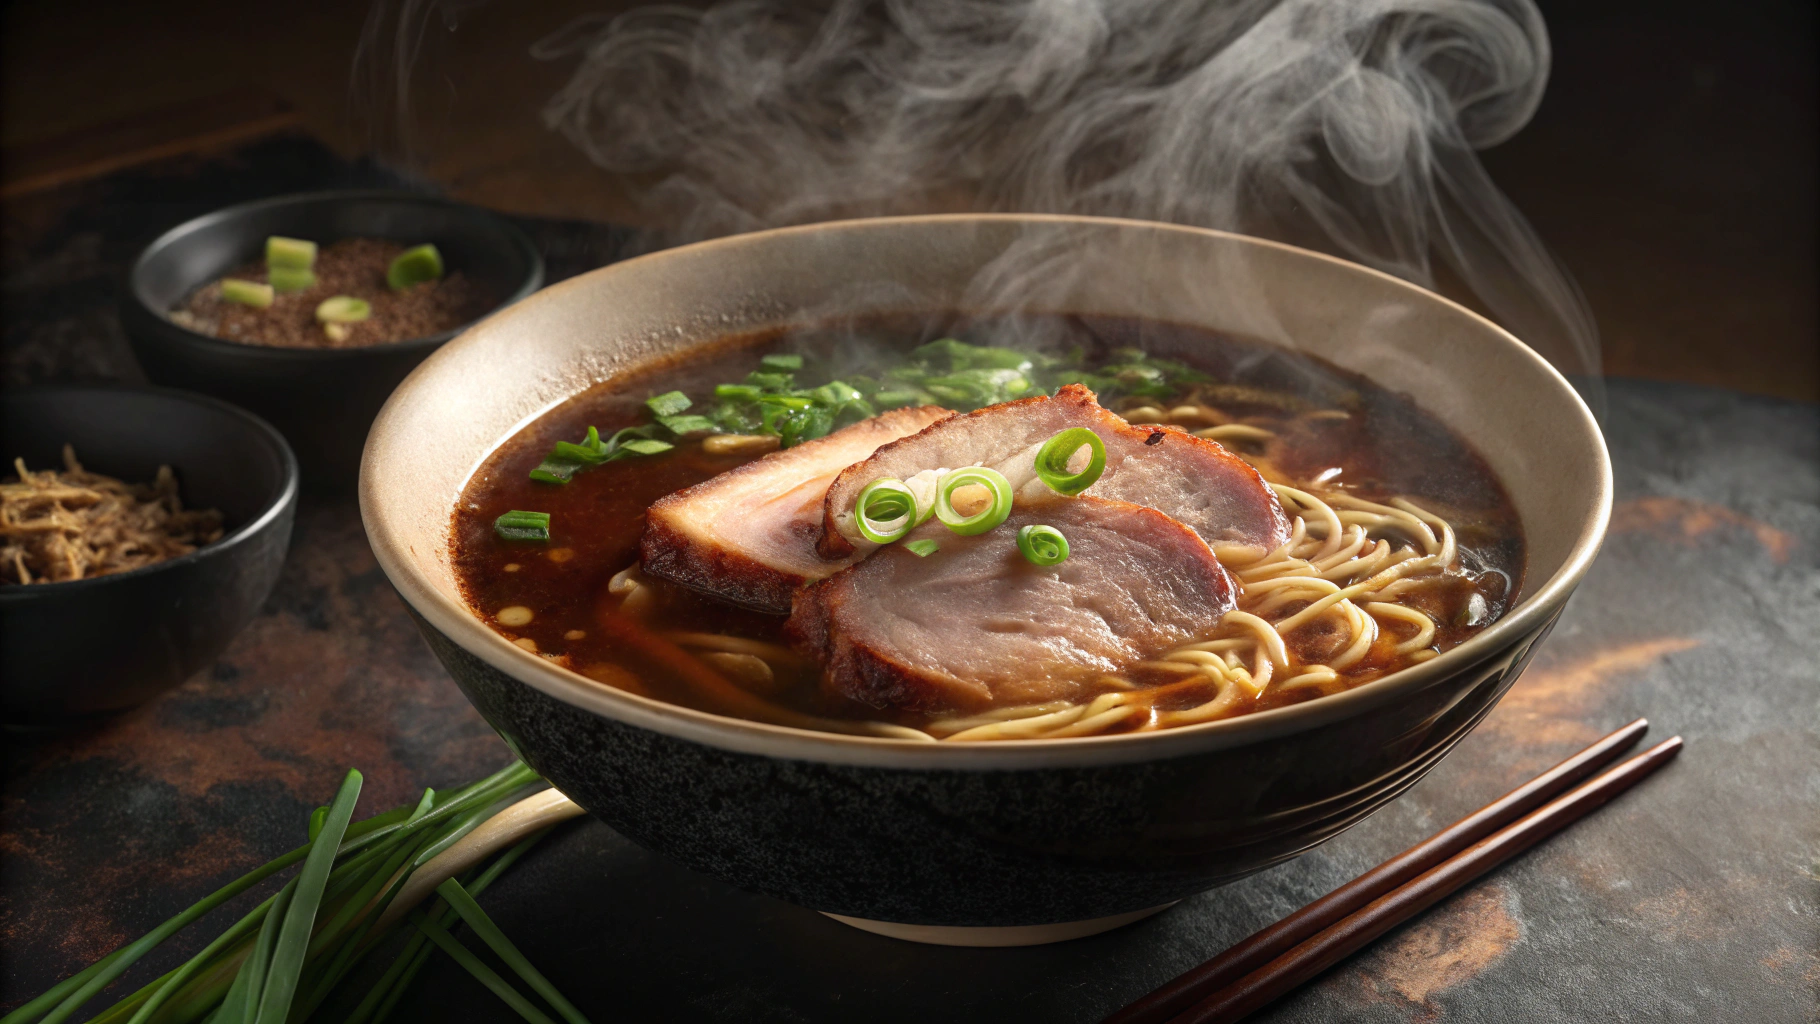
(1347, 126)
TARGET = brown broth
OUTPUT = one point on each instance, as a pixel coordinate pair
(1387, 447)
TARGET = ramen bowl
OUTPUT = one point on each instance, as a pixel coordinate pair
(982, 843)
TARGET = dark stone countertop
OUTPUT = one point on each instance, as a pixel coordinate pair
(1696, 896)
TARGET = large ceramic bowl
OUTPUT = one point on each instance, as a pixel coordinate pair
(1002, 842)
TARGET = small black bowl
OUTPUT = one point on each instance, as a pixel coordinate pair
(323, 400)
(110, 642)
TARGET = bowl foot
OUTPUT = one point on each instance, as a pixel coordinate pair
(1014, 935)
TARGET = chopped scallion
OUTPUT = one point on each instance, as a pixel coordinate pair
(343, 309)
(993, 514)
(1052, 460)
(668, 404)
(291, 279)
(922, 548)
(337, 332)
(414, 266)
(885, 511)
(516, 525)
(247, 293)
(780, 362)
(289, 253)
(1042, 545)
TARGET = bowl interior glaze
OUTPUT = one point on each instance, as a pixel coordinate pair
(475, 393)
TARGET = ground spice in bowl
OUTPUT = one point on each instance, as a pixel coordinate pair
(354, 267)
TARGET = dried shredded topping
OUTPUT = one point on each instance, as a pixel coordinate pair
(71, 525)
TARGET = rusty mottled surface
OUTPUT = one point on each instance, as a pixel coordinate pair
(1696, 896)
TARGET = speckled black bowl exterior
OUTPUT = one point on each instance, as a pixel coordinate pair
(1018, 846)
(322, 400)
(1039, 837)
(104, 644)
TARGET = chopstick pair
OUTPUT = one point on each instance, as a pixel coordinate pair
(1275, 960)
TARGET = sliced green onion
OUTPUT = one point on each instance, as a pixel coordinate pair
(885, 510)
(516, 525)
(668, 404)
(922, 548)
(289, 279)
(414, 266)
(981, 521)
(343, 309)
(1052, 460)
(644, 446)
(1042, 545)
(247, 293)
(779, 362)
(289, 253)
(738, 392)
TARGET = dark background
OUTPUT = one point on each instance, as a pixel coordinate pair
(1672, 163)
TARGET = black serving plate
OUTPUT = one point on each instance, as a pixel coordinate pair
(110, 642)
(322, 400)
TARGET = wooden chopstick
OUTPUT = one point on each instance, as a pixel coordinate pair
(1267, 944)
(1328, 947)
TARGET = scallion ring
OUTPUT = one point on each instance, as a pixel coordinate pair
(517, 525)
(1042, 545)
(1052, 460)
(885, 511)
(981, 521)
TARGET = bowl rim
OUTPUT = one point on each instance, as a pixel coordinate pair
(455, 621)
(269, 513)
(533, 279)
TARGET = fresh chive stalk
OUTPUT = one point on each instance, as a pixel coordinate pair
(279, 962)
(414, 266)
(246, 293)
(289, 253)
(484, 974)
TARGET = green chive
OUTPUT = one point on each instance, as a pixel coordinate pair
(684, 425)
(489, 933)
(484, 974)
(289, 253)
(414, 266)
(922, 548)
(668, 404)
(983, 520)
(738, 392)
(285, 279)
(885, 510)
(294, 936)
(1052, 460)
(247, 293)
(780, 362)
(343, 309)
(516, 525)
(1042, 545)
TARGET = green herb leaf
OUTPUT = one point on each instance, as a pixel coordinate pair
(781, 362)
(483, 926)
(922, 548)
(668, 404)
(691, 424)
(642, 446)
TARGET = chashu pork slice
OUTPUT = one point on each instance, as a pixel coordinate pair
(748, 535)
(975, 624)
(1187, 478)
